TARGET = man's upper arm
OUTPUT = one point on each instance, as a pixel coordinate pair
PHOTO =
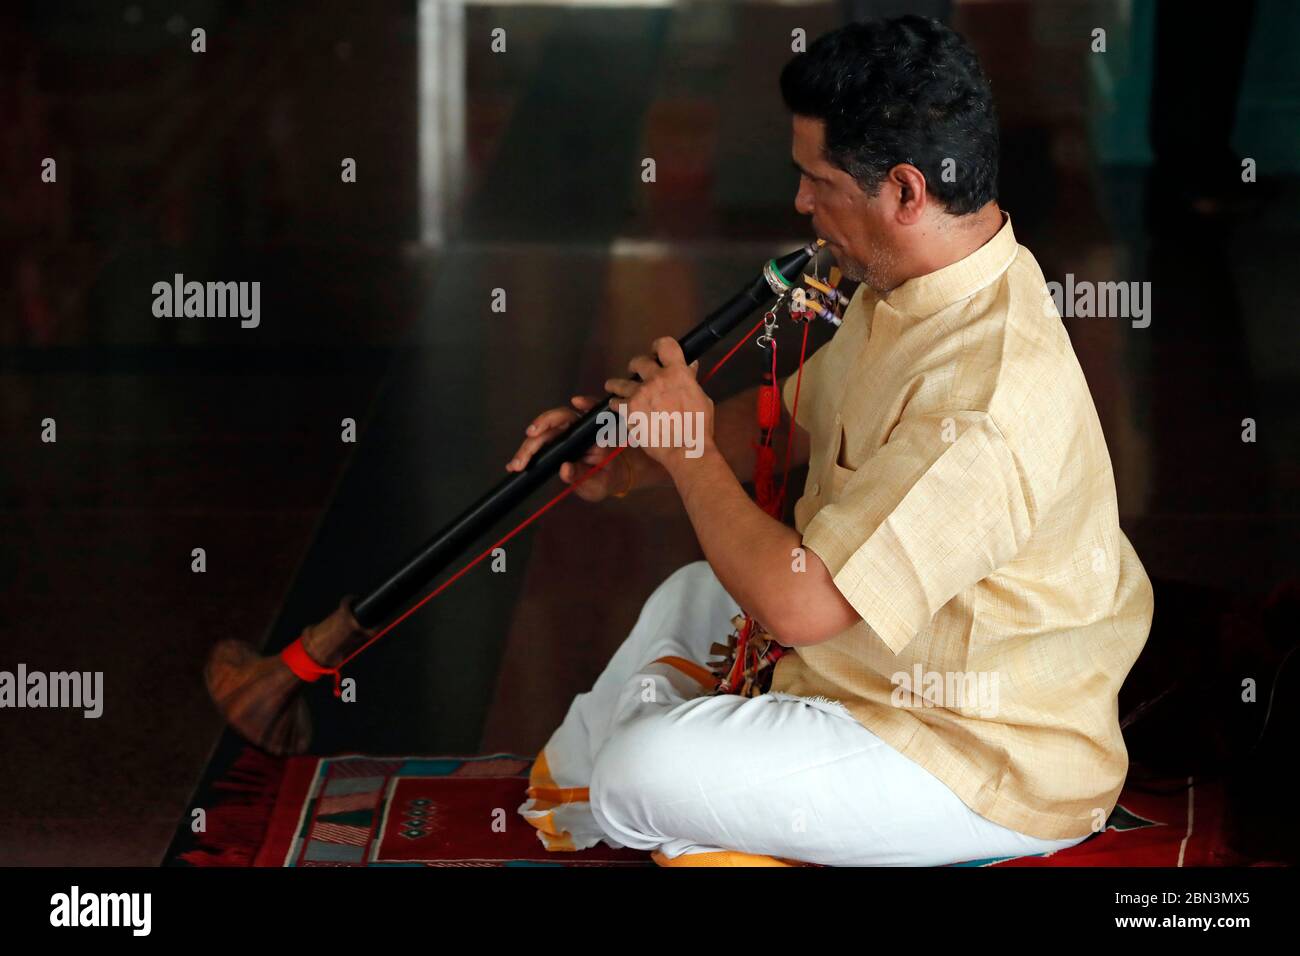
(939, 507)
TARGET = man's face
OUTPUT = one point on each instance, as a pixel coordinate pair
(857, 228)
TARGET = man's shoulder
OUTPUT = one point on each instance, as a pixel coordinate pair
(1039, 367)
(1041, 402)
(1007, 355)
(1004, 346)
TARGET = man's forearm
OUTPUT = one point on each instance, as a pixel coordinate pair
(748, 550)
(756, 558)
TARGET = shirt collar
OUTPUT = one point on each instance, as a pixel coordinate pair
(925, 295)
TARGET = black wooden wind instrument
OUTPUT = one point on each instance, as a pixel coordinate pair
(259, 695)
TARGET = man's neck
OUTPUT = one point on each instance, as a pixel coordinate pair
(953, 240)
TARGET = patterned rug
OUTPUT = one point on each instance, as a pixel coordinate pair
(354, 810)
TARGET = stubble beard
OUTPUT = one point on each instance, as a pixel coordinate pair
(876, 275)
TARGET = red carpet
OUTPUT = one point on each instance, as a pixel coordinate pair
(460, 811)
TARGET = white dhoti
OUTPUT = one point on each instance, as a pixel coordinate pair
(645, 759)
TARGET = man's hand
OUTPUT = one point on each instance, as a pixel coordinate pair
(551, 423)
(668, 385)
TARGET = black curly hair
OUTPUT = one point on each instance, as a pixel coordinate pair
(904, 90)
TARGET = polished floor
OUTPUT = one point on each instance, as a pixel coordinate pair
(180, 434)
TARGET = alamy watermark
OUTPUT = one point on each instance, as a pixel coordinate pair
(76, 908)
(652, 430)
(1086, 299)
(78, 690)
(953, 690)
(212, 300)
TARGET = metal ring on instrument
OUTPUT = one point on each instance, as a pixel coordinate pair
(769, 326)
(778, 283)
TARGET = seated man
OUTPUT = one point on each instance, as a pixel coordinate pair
(958, 599)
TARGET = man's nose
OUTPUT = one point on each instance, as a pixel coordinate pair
(803, 202)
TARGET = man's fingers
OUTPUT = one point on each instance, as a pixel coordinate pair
(530, 446)
(551, 418)
(590, 491)
(543, 428)
(644, 366)
(591, 488)
(622, 387)
(552, 422)
(668, 351)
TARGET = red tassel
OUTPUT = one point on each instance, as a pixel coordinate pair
(236, 826)
(769, 407)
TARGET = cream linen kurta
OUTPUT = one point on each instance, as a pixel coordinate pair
(961, 493)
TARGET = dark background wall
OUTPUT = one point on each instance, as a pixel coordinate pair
(175, 434)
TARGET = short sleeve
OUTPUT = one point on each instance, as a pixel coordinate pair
(938, 508)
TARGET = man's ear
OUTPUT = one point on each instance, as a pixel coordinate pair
(909, 185)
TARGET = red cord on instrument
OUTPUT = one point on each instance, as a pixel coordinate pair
(306, 669)
(766, 495)
(734, 349)
(771, 502)
(794, 410)
(502, 540)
